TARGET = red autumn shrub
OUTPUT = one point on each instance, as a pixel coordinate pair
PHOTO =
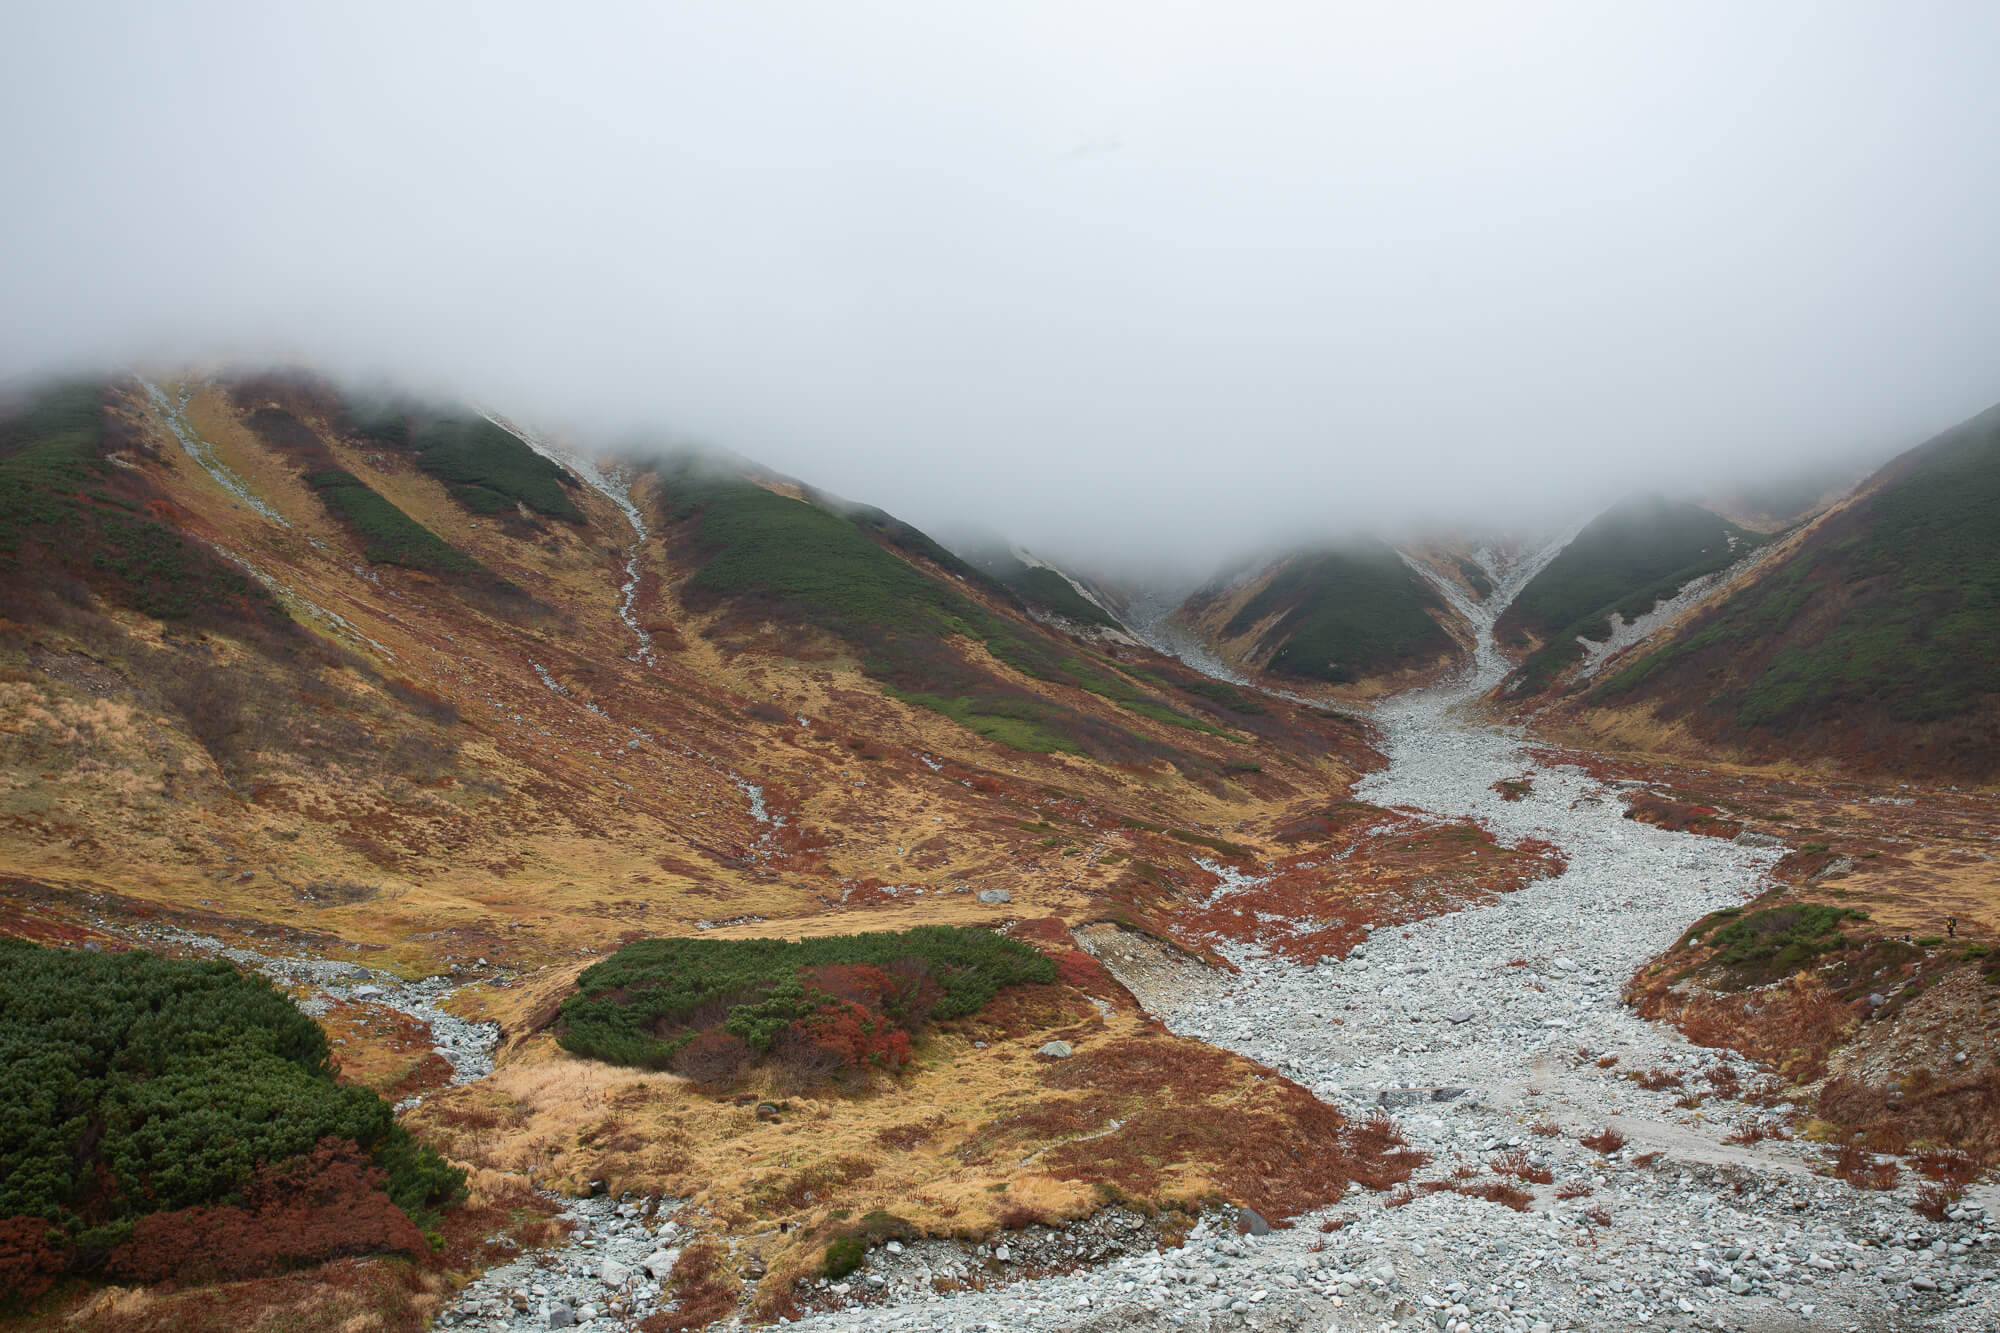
(28, 1262)
(1076, 968)
(713, 1059)
(325, 1204)
(862, 1037)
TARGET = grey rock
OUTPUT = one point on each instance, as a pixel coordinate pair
(1057, 1050)
(1463, 1016)
(1749, 839)
(560, 1316)
(996, 896)
(1251, 1223)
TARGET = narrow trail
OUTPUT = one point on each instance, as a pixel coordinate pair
(1482, 1031)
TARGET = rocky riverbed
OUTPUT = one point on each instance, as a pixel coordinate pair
(1499, 1031)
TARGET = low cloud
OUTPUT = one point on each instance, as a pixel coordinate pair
(1144, 285)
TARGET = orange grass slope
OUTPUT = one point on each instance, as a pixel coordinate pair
(453, 767)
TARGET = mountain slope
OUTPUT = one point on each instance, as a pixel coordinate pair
(1874, 639)
(1616, 569)
(724, 698)
(1334, 616)
(1043, 588)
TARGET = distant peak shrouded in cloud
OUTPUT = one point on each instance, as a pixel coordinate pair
(1137, 285)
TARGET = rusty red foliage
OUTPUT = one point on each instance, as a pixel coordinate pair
(32, 1256)
(326, 1204)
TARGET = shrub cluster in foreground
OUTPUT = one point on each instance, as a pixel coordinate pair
(839, 1004)
(158, 1116)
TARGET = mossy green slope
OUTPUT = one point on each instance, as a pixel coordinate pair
(70, 521)
(1625, 562)
(1343, 614)
(486, 468)
(895, 597)
(1876, 640)
(1043, 589)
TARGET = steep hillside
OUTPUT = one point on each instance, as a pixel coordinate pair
(304, 642)
(371, 693)
(1044, 588)
(1617, 568)
(1874, 640)
(1335, 617)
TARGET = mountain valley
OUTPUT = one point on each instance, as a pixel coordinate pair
(723, 902)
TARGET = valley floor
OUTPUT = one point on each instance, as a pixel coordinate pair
(1487, 1031)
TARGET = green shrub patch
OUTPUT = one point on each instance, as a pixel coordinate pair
(1777, 941)
(133, 1085)
(487, 468)
(821, 1007)
(388, 535)
(71, 522)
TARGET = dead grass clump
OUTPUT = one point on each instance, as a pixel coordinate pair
(1656, 1080)
(1516, 1163)
(1724, 1079)
(1020, 1011)
(1598, 1217)
(1606, 1061)
(1793, 1026)
(1500, 1192)
(1963, 1113)
(702, 1291)
(1136, 1065)
(1400, 1197)
(1756, 1132)
(1946, 1166)
(1647, 1158)
(1465, 1171)
(1606, 1140)
(1574, 1189)
(902, 1138)
(816, 1184)
(1689, 1101)
(1859, 1168)
(1545, 1129)
(1934, 1200)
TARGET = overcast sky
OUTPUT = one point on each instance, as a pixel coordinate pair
(1149, 278)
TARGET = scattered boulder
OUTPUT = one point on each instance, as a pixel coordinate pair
(1251, 1223)
(1749, 839)
(996, 896)
(1057, 1050)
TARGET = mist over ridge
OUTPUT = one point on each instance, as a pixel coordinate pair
(1137, 289)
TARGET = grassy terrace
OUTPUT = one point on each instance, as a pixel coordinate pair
(487, 469)
(1893, 606)
(1346, 614)
(1625, 561)
(759, 549)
